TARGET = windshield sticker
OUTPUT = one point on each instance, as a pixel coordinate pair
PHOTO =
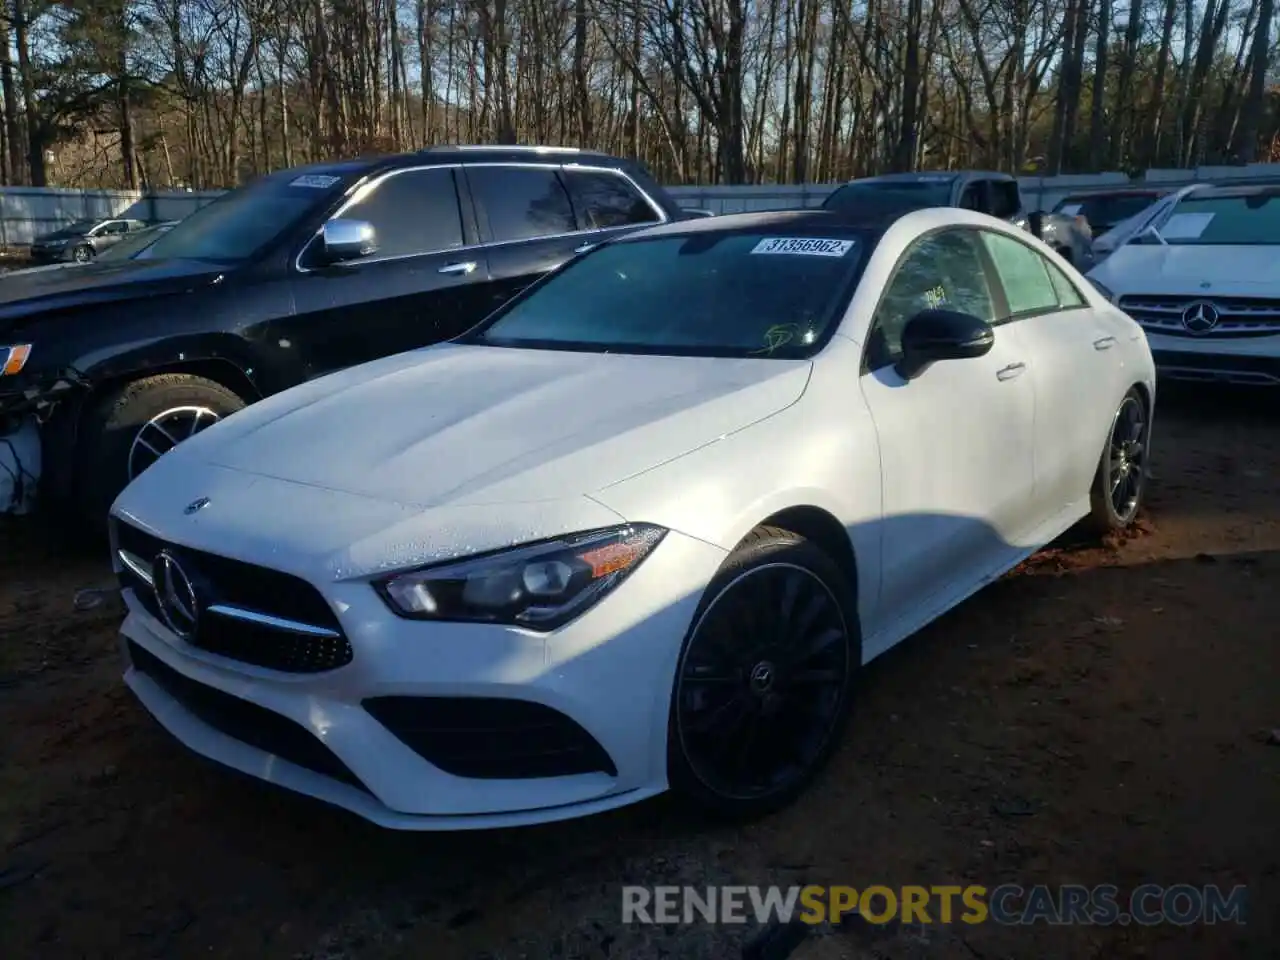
(1070, 209)
(805, 246)
(936, 297)
(315, 181)
(1185, 226)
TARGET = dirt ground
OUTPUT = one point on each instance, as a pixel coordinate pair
(1102, 715)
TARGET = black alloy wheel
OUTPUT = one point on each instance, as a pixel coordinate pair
(1128, 458)
(763, 683)
(1121, 480)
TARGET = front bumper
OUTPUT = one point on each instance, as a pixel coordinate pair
(608, 674)
(1246, 361)
(51, 254)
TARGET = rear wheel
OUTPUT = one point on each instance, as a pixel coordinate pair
(763, 684)
(133, 426)
(1120, 483)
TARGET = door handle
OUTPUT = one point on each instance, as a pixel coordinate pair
(1011, 371)
(1104, 343)
(584, 248)
(456, 268)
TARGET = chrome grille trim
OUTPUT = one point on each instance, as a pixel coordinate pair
(1238, 316)
(266, 620)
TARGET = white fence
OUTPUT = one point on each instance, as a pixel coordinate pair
(28, 212)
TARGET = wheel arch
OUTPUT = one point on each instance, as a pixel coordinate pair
(820, 527)
(220, 369)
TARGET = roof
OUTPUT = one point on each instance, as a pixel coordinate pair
(1118, 191)
(1210, 192)
(784, 222)
(941, 176)
(456, 153)
(479, 153)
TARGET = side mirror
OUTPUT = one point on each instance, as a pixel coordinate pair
(343, 240)
(1035, 223)
(934, 335)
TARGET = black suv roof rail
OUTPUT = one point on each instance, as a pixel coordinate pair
(502, 148)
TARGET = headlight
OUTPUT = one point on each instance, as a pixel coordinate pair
(1103, 289)
(13, 359)
(540, 586)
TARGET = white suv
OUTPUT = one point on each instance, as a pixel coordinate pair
(1203, 280)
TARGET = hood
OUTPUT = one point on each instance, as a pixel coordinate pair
(1187, 268)
(24, 294)
(66, 233)
(454, 424)
(250, 517)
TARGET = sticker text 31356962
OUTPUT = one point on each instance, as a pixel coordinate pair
(805, 246)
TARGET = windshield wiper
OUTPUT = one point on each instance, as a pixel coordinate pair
(1150, 231)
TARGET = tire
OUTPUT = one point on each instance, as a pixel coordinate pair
(1066, 254)
(756, 680)
(1125, 455)
(82, 254)
(108, 457)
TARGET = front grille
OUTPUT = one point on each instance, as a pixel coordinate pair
(1237, 316)
(245, 721)
(1217, 368)
(247, 612)
(491, 738)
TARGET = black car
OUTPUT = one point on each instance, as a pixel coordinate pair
(1103, 209)
(298, 274)
(82, 240)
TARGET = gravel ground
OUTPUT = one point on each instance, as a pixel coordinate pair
(1099, 716)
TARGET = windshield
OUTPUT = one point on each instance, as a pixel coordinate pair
(238, 224)
(701, 294)
(920, 193)
(139, 240)
(74, 228)
(1106, 211)
(1249, 218)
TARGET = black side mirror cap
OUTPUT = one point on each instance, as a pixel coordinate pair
(934, 335)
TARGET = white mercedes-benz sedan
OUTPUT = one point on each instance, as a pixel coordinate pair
(1203, 280)
(636, 531)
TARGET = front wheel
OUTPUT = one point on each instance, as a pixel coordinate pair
(1121, 480)
(763, 683)
(132, 427)
(82, 254)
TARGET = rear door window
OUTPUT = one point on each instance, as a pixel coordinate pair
(521, 203)
(1023, 273)
(604, 200)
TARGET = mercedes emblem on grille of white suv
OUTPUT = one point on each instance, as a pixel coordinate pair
(175, 595)
(1200, 317)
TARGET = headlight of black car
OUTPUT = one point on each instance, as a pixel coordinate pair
(540, 586)
(13, 359)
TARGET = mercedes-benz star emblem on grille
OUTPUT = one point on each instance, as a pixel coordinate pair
(1200, 317)
(176, 596)
(195, 506)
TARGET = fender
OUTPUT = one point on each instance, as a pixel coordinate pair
(223, 357)
(175, 354)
